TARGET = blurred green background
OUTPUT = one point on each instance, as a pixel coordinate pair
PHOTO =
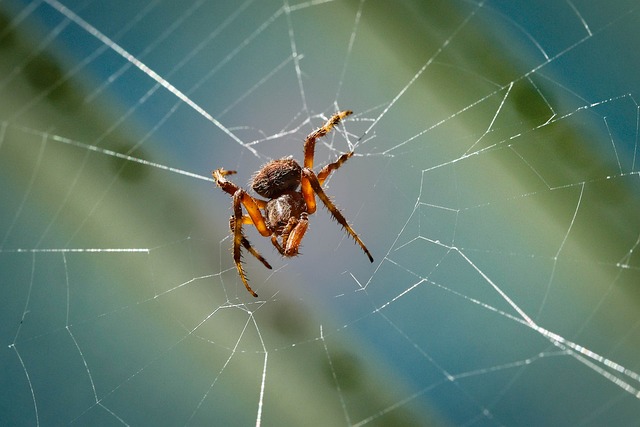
(495, 181)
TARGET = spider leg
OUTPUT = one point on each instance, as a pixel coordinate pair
(250, 204)
(241, 198)
(316, 188)
(255, 253)
(309, 152)
(226, 185)
(326, 171)
(245, 242)
(310, 142)
(238, 239)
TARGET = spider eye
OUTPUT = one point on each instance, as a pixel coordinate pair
(276, 178)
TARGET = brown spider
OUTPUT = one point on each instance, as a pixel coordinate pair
(285, 214)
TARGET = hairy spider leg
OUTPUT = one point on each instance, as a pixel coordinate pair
(307, 191)
(326, 171)
(237, 239)
(310, 176)
(246, 219)
(251, 204)
(310, 141)
(241, 198)
(309, 153)
(312, 184)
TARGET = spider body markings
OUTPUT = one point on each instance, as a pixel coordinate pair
(290, 190)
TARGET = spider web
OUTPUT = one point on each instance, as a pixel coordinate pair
(495, 181)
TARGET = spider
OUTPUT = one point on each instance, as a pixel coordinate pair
(290, 190)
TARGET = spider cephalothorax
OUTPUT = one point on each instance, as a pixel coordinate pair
(290, 190)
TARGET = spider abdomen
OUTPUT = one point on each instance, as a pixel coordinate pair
(277, 177)
(280, 210)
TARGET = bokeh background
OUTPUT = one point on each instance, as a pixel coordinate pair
(495, 181)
